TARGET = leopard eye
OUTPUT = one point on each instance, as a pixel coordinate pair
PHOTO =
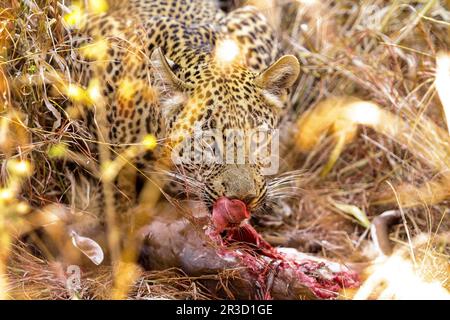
(212, 150)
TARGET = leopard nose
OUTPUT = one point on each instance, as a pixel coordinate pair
(239, 182)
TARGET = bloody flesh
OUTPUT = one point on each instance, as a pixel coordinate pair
(238, 239)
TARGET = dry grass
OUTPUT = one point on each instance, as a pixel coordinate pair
(33, 278)
(373, 50)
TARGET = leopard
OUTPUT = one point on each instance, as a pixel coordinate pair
(170, 67)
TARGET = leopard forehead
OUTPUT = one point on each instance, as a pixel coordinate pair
(223, 97)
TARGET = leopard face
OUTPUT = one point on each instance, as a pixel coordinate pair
(223, 105)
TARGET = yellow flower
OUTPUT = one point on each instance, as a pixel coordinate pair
(98, 6)
(150, 142)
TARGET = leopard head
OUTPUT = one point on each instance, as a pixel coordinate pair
(214, 110)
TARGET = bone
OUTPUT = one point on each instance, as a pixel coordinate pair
(379, 230)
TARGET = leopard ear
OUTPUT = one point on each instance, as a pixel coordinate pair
(280, 75)
(162, 66)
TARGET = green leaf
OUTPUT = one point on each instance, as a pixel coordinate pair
(355, 212)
